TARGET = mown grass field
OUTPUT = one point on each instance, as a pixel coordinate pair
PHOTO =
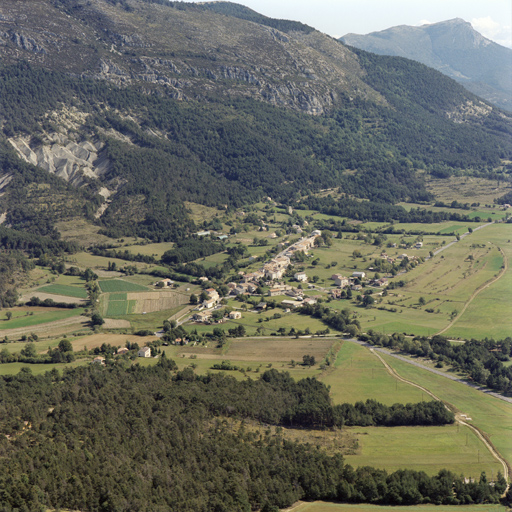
(156, 250)
(427, 449)
(62, 289)
(358, 375)
(492, 415)
(119, 285)
(490, 313)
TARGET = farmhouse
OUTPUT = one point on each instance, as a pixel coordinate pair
(294, 292)
(278, 290)
(235, 315)
(202, 316)
(341, 281)
(212, 293)
(99, 360)
(301, 276)
(121, 351)
(144, 352)
(165, 282)
(209, 303)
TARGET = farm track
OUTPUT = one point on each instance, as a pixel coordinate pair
(458, 417)
(478, 290)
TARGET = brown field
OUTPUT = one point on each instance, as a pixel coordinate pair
(96, 340)
(150, 302)
(57, 298)
(266, 349)
(110, 323)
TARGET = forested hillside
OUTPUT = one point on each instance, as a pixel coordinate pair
(138, 122)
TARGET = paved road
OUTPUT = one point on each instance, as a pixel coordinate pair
(433, 370)
(461, 237)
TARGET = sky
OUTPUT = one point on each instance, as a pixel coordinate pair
(492, 18)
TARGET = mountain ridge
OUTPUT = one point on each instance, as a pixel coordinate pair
(185, 104)
(452, 47)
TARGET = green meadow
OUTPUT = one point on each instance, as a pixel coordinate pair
(492, 415)
(62, 289)
(427, 449)
(39, 316)
(118, 285)
(358, 375)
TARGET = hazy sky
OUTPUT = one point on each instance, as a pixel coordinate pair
(492, 18)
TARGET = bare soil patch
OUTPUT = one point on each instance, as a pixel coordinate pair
(110, 323)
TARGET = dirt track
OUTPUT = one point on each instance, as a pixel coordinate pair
(481, 435)
(478, 290)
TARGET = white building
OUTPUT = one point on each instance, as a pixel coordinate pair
(145, 352)
(301, 276)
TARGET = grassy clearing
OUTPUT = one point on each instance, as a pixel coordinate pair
(118, 285)
(62, 289)
(320, 506)
(86, 260)
(156, 250)
(359, 375)
(466, 189)
(200, 213)
(492, 415)
(428, 449)
(82, 232)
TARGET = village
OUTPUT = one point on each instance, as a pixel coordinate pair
(271, 277)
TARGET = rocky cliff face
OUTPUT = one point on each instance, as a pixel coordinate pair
(192, 54)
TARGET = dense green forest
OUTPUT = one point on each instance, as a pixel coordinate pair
(146, 439)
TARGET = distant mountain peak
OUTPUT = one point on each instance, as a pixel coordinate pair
(453, 47)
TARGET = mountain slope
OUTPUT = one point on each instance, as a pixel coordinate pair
(141, 106)
(452, 47)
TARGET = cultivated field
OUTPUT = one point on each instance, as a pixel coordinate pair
(66, 290)
(119, 285)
